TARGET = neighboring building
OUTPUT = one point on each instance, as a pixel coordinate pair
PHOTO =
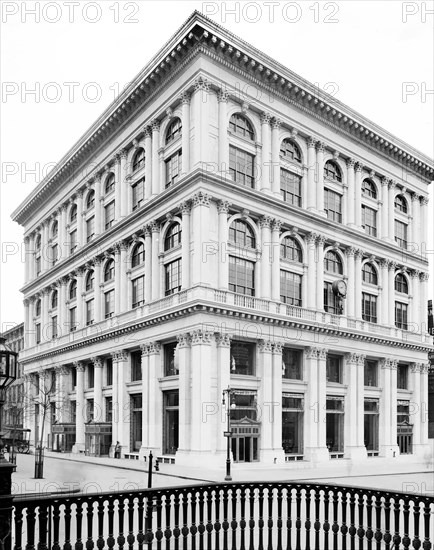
(12, 416)
(431, 375)
(198, 238)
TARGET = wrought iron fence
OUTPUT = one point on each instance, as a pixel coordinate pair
(236, 516)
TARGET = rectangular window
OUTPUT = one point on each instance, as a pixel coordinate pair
(332, 302)
(333, 205)
(403, 412)
(54, 326)
(90, 312)
(402, 377)
(170, 367)
(136, 422)
(292, 423)
(90, 410)
(54, 254)
(371, 417)
(290, 288)
(245, 405)
(109, 372)
(109, 304)
(38, 265)
(334, 368)
(173, 277)
(371, 373)
(90, 229)
(290, 187)
(292, 366)
(138, 194)
(242, 358)
(136, 366)
(138, 287)
(73, 241)
(369, 221)
(241, 276)
(109, 215)
(109, 409)
(241, 167)
(170, 422)
(335, 424)
(73, 412)
(73, 379)
(369, 307)
(401, 234)
(90, 376)
(401, 315)
(173, 169)
(38, 333)
(73, 319)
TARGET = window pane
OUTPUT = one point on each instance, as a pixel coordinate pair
(173, 277)
(290, 288)
(290, 187)
(241, 167)
(241, 276)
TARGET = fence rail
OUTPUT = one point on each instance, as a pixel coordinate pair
(236, 516)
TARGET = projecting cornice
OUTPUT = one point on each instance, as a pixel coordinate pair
(201, 35)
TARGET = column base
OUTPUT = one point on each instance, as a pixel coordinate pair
(78, 448)
(316, 454)
(201, 458)
(356, 454)
(389, 451)
(272, 456)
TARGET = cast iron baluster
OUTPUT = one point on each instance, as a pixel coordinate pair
(67, 515)
(130, 537)
(307, 523)
(234, 524)
(149, 535)
(252, 499)
(121, 514)
(159, 531)
(79, 526)
(344, 527)
(89, 514)
(352, 530)
(397, 510)
(288, 517)
(317, 524)
(43, 526)
(217, 525)
(369, 530)
(100, 543)
(378, 534)
(361, 530)
(416, 516)
(111, 511)
(193, 528)
(406, 539)
(298, 515)
(201, 527)
(270, 518)
(326, 525)
(185, 531)
(387, 536)
(426, 519)
(261, 517)
(176, 529)
(141, 513)
(167, 531)
(225, 523)
(18, 520)
(243, 496)
(209, 524)
(279, 517)
(335, 526)
(30, 522)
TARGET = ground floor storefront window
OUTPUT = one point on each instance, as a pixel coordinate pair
(404, 428)
(371, 422)
(335, 426)
(171, 422)
(136, 422)
(244, 426)
(292, 423)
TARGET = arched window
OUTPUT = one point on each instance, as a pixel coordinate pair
(369, 189)
(241, 234)
(369, 274)
(173, 236)
(240, 126)
(38, 242)
(54, 299)
(332, 171)
(290, 151)
(73, 213)
(400, 204)
(333, 263)
(73, 290)
(139, 159)
(54, 230)
(401, 284)
(110, 183)
(138, 256)
(90, 280)
(174, 130)
(290, 249)
(90, 199)
(109, 270)
(38, 308)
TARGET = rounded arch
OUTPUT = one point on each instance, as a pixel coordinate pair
(334, 261)
(172, 234)
(401, 204)
(38, 242)
(72, 214)
(370, 272)
(72, 289)
(137, 253)
(90, 199)
(402, 284)
(164, 125)
(138, 159)
(54, 230)
(369, 188)
(250, 117)
(249, 221)
(54, 299)
(290, 151)
(299, 244)
(241, 126)
(109, 270)
(332, 167)
(89, 280)
(109, 182)
(38, 307)
(173, 130)
(242, 234)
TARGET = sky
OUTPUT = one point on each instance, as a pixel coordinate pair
(63, 63)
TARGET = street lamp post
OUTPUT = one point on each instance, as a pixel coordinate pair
(226, 396)
(8, 373)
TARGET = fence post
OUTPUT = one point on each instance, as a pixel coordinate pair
(6, 469)
(150, 470)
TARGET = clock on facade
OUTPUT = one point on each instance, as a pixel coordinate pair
(340, 288)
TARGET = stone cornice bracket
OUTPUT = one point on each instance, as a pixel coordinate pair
(245, 106)
(265, 346)
(223, 206)
(79, 366)
(200, 336)
(184, 340)
(201, 199)
(245, 214)
(294, 133)
(184, 98)
(169, 112)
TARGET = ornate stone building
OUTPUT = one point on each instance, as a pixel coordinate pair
(226, 224)
(13, 411)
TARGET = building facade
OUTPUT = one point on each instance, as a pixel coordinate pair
(13, 409)
(226, 225)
